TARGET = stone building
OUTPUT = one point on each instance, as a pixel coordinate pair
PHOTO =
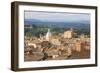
(78, 46)
(68, 34)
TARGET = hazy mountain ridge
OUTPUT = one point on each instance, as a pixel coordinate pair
(59, 24)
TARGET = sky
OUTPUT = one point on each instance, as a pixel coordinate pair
(56, 16)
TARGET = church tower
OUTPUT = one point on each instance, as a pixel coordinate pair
(48, 35)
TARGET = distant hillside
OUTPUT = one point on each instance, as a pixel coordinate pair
(77, 25)
(41, 27)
